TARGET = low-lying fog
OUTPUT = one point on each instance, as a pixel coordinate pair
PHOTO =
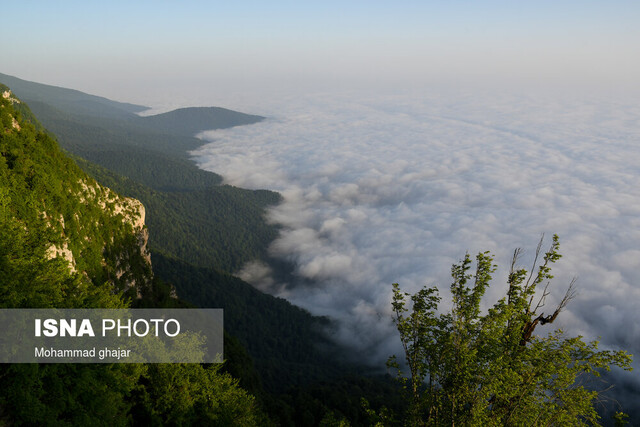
(396, 189)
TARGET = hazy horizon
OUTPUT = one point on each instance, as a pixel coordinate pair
(237, 54)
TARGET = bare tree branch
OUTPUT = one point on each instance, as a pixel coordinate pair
(535, 262)
(530, 326)
(543, 298)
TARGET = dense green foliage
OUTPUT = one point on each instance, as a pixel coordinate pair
(47, 201)
(124, 394)
(288, 356)
(491, 369)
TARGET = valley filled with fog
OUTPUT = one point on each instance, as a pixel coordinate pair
(390, 189)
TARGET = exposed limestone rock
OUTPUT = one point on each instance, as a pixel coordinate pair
(131, 211)
(143, 240)
(64, 252)
(8, 95)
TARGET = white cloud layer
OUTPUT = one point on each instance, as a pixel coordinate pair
(389, 190)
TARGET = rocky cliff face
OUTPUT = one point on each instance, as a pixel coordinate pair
(131, 213)
(98, 234)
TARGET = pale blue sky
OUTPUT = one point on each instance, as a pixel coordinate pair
(143, 46)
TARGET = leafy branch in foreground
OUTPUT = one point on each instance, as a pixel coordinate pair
(469, 368)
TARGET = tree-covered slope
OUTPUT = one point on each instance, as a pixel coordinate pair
(68, 242)
(58, 212)
(215, 226)
(189, 214)
(283, 339)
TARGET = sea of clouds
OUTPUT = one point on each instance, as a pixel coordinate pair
(390, 189)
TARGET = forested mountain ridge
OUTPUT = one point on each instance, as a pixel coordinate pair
(68, 242)
(69, 99)
(219, 225)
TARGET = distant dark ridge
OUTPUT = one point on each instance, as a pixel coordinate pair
(187, 121)
(70, 100)
(193, 120)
